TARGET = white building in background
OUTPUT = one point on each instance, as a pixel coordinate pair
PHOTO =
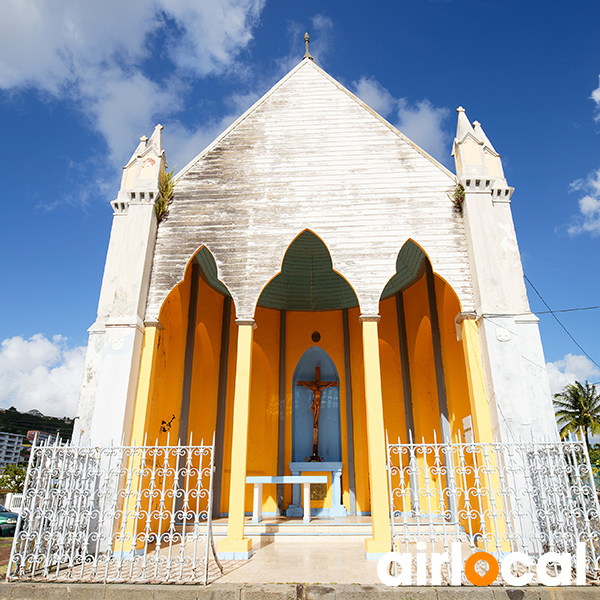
(10, 448)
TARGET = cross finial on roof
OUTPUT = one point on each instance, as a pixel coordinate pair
(307, 53)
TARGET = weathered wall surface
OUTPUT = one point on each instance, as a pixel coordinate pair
(310, 155)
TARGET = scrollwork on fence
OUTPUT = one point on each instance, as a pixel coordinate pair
(497, 497)
(119, 513)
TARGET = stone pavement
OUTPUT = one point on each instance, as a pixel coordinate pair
(289, 566)
(302, 562)
(233, 591)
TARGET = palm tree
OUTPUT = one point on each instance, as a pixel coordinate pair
(577, 408)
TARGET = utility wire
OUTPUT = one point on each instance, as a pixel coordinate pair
(558, 321)
(546, 312)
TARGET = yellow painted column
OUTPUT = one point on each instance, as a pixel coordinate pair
(480, 411)
(145, 384)
(482, 434)
(235, 546)
(130, 528)
(380, 503)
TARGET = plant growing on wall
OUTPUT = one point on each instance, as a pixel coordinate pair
(166, 185)
(458, 197)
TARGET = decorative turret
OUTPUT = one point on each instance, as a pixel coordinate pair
(513, 360)
(139, 182)
(113, 357)
(478, 165)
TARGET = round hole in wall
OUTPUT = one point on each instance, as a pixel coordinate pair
(316, 336)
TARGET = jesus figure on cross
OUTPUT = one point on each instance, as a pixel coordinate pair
(316, 387)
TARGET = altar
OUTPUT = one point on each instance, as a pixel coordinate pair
(334, 473)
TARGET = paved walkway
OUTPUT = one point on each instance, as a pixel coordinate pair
(232, 591)
(285, 567)
(303, 561)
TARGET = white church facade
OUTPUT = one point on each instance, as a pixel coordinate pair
(313, 244)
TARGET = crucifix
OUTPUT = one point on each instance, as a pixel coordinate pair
(316, 387)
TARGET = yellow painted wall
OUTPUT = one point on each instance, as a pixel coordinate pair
(423, 384)
(166, 386)
(457, 388)
(391, 372)
(202, 417)
(299, 328)
(168, 378)
(264, 406)
(361, 457)
(165, 402)
(422, 368)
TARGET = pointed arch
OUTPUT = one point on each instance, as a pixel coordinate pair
(208, 271)
(410, 265)
(307, 280)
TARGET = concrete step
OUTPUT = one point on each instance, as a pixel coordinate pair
(291, 530)
(327, 530)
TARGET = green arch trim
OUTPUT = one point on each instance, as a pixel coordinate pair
(409, 265)
(209, 270)
(307, 280)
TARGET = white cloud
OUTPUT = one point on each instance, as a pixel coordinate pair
(184, 143)
(588, 219)
(372, 93)
(40, 373)
(570, 369)
(421, 122)
(97, 54)
(321, 37)
(596, 98)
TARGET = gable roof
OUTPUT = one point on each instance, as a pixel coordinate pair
(307, 63)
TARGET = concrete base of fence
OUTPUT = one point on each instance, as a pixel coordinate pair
(240, 591)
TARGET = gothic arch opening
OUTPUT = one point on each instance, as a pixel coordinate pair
(418, 311)
(189, 381)
(301, 317)
(307, 280)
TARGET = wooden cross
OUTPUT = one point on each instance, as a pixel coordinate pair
(316, 387)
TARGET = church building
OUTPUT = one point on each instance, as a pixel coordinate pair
(317, 283)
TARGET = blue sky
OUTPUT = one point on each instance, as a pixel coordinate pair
(81, 82)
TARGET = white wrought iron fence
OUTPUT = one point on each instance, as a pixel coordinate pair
(532, 498)
(119, 513)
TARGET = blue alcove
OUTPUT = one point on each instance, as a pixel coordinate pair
(330, 443)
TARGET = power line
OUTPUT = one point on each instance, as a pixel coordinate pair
(558, 320)
(546, 312)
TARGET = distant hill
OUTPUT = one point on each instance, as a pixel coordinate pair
(13, 421)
